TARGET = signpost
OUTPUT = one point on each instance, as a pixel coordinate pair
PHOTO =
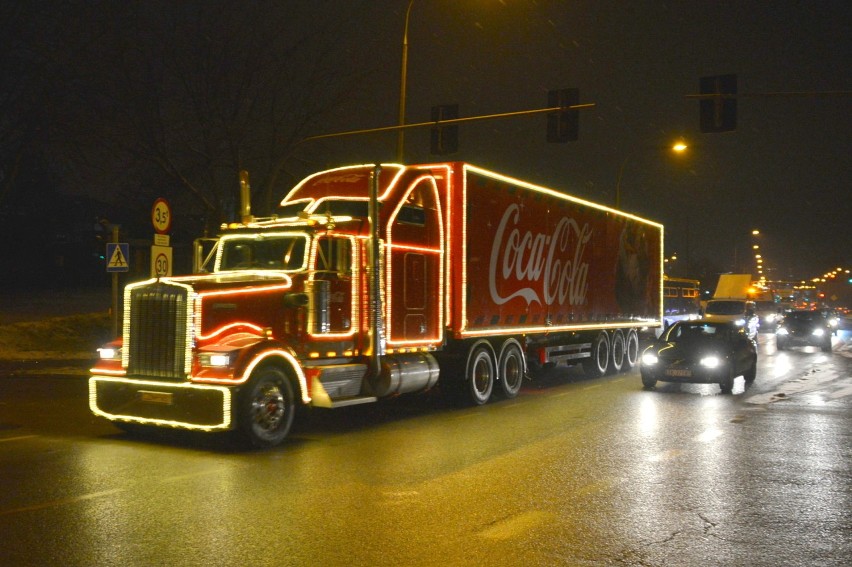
(117, 257)
(161, 251)
(117, 260)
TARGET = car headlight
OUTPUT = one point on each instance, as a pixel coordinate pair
(739, 322)
(818, 332)
(770, 318)
(710, 361)
(649, 359)
(782, 331)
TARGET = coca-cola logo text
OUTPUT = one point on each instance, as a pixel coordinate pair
(548, 268)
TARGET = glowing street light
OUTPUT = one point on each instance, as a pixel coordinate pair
(678, 147)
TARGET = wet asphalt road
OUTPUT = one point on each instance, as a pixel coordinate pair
(572, 472)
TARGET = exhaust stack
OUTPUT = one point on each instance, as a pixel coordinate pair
(245, 198)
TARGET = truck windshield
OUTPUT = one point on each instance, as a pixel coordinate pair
(267, 252)
(725, 307)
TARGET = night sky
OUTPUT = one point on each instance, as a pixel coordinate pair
(136, 79)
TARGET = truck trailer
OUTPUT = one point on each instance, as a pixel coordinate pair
(372, 281)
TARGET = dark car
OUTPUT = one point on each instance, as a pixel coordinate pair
(768, 313)
(804, 328)
(833, 317)
(700, 352)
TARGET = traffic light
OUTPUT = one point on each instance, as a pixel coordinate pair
(445, 139)
(563, 125)
(719, 112)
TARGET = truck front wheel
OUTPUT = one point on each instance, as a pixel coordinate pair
(266, 408)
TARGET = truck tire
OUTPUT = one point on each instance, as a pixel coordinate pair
(631, 349)
(511, 369)
(265, 408)
(596, 365)
(479, 373)
(616, 350)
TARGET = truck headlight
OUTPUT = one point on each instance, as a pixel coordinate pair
(216, 359)
(710, 361)
(109, 353)
(649, 359)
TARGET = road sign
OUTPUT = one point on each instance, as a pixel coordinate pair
(161, 216)
(118, 256)
(161, 261)
(718, 113)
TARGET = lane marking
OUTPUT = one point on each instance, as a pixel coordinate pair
(62, 502)
(19, 438)
(841, 393)
(509, 527)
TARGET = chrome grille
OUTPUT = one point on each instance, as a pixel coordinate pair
(156, 337)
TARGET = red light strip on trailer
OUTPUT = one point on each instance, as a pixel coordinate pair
(555, 194)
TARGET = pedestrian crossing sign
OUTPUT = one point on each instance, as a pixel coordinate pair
(117, 255)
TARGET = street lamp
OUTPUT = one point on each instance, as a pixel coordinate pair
(400, 140)
(678, 147)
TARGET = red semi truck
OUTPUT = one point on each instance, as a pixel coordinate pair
(373, 281)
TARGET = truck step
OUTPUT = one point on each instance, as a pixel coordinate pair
(353, 401)
(342, 381)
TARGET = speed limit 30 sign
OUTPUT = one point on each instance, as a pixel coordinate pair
(161, 261)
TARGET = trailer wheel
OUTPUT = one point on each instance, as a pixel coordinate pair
(266, 408)
(617, 347)
(479, 374)
(595, 366)
(631, 349)
(511, 374)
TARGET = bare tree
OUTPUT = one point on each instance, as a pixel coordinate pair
(201, 90)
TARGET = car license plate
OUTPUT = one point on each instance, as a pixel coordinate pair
(679, 372)
(164, 398)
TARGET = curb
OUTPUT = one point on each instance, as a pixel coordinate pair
(46, 368)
